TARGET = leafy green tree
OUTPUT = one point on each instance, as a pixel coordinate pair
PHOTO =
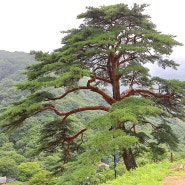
(111, 48)
(8, 167)
(13, 155)
(10, 160)
(8, 146)
(3, 139)
(27, 170)
(43, 177)
(49, 162)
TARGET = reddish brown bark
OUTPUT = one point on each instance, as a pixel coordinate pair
(105, 96)
(144, 93)
(69, 140)
(66, 114)
(114, 77)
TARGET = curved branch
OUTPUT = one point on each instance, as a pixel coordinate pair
(68, 92)
(103, 79)
(105, 96)
(69, 139)
(148, 122)
(157, 95)
(145, 93)
(129, 58)
(100, 67)
(76, 135)
(51, 107)
(66, 114)
(127, 93)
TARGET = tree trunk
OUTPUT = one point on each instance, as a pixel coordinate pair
(129, 159)
(116, 89)
(171, 157)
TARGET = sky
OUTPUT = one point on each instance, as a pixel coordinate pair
(27, 25)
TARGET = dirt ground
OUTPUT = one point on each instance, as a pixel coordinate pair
(174, 180)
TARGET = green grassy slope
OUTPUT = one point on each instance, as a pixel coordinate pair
(150, 174)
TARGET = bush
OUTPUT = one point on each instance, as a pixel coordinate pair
(42, 178)
(8, 167)
(28, 170)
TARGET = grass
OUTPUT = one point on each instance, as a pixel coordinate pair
(176, 169)
(150, 174)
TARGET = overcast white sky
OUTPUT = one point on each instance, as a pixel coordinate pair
(36, 24)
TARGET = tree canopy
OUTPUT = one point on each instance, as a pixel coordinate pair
(111, 48)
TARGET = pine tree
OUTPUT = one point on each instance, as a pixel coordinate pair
(111, 48)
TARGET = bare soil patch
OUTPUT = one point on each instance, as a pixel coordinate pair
(174, 180)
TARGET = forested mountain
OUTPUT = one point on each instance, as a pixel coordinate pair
(12, 65)
(59, 130)
(21, 143)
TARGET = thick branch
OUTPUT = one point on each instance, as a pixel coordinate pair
(75, 135)
(103, 79)
(51, 107)
(84, 109)
(68, 92)
(157, 95)
(105, 96)
(66, 114)
(69, 140)
(144, 93)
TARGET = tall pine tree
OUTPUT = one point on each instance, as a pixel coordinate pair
(111, 48)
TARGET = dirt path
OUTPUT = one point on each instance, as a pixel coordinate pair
(174, 180)
(178, 175)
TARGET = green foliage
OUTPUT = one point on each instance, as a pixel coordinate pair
(132, 109)
(140, 72)
(22, 110)
(8, 167)
(110, 48)
(107, 141)
(3, 139)
(168, 86)
(164, 134)
(146, 175)
(43, 177)
(8, 146)
(10, 160)
(102, 144)
(28, 170)
(12, 155)
(50, 162)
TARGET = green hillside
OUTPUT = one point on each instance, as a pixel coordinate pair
(153, 174)
(24, 140)
(16, 148)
